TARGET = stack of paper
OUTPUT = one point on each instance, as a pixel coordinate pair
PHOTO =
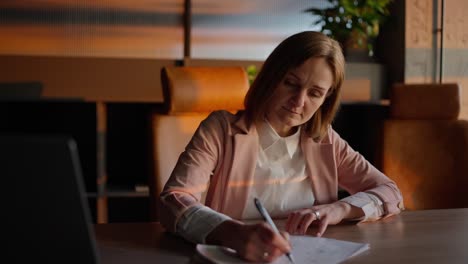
(306, 249)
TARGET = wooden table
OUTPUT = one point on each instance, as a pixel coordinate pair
(432, 236)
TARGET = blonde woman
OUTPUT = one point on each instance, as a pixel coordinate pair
(281, 149)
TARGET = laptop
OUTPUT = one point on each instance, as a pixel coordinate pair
(48, 218)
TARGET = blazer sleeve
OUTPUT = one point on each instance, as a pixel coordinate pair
(356, 174)
(191, 175)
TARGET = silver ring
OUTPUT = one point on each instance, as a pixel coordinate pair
(265, 255)
(317, 214)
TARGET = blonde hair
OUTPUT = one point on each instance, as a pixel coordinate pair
(289, 54)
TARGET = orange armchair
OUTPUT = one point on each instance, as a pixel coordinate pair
(190, 94)
(425, 146)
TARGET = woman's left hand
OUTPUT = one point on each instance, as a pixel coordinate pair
(329, 214)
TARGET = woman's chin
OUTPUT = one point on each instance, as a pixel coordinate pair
(292, 122)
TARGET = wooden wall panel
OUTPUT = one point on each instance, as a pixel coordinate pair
(422, 51)
(112, 28)
(89, 79)
(92, 41)
(456, 24)
(418, 27)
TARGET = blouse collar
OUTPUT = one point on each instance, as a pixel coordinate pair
(268, 138)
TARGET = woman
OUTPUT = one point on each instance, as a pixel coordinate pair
(282, 150)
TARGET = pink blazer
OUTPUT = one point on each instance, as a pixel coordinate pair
(222, 157)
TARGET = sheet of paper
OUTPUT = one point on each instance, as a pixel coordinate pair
(306, 249)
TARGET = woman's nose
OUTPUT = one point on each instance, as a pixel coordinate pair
(298, 99)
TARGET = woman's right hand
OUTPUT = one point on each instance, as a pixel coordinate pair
(253, 242)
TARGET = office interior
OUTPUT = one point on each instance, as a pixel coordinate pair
(92, 70)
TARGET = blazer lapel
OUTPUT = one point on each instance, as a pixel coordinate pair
(319, 167)
(240, 176)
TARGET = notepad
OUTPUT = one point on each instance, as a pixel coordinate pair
(306, 249)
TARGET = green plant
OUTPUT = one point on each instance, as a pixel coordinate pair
(251, 73)
(354, 23)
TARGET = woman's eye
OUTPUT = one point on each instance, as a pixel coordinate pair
(314, 93)
(289, 83)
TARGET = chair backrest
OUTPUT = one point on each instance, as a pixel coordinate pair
(425, 147)
(190, 94)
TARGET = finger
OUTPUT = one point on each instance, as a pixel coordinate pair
(277, 251)
(270, 245)
(285, 235)
(322, 226)
(259, 256)
(269, 250)
(274, 254)
(273, 239)
(260, 251)
(295, 221)
(256, 242)
(267, 255)
(252, 252)
(281, 243)
(265, 232)
(305, 223)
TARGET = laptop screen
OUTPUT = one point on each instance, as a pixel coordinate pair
(46, 204)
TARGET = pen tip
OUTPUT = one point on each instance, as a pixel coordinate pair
(290, 257)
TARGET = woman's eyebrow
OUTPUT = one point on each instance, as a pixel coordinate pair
(319, 87)
(299, 79)
(294, 75)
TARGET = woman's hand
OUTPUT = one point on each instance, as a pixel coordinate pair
(256, 243)
(330, 214)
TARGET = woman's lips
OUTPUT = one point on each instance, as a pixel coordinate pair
(291, 111)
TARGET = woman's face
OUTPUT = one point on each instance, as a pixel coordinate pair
(298, 96)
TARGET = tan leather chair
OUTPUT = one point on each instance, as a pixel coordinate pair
(190, 94)
(425, 146)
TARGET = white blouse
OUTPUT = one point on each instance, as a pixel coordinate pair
(279, 182)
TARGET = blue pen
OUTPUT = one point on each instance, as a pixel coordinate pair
(268, 219)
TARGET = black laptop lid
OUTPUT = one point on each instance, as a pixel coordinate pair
(47, 208)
